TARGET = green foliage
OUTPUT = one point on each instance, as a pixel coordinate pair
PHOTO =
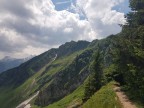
(136, 17)
(95, 80)
(136, 5)
(128, 61)
(75, 98)
(111, 73)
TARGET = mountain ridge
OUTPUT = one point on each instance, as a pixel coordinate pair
(8, 63)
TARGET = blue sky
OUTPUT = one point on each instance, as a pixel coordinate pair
(61, 4)
(44, 24)
(65, 4)
(123, 7)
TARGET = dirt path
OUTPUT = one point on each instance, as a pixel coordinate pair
(123, 98)
(26, 104)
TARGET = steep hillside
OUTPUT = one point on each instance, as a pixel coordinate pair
(56, 73)
(42, 72)
(62, 76)
(104, 98)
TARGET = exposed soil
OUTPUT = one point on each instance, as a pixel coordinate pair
(123, 98)
(26, 104)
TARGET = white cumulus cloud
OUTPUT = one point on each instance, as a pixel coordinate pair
(29, 27)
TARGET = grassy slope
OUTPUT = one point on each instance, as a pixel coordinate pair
(61, 63)
(77, 95)
(69, 100)
(104, 98)
(73, 98)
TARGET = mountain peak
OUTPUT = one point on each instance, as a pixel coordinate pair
(7, 58)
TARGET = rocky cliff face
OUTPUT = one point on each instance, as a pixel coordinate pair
(67, 80)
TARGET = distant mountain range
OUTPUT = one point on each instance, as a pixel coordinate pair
(8, 62)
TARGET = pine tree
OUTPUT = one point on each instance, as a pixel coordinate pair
(94, 81)
(136, 17)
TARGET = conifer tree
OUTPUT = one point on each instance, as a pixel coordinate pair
(94, 81)
(136, 16)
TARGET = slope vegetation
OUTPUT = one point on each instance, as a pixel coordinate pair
(42, 73)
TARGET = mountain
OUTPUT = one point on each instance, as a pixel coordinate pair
(81, 74)
(43, 69)
(8, 63)
(61, 76)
